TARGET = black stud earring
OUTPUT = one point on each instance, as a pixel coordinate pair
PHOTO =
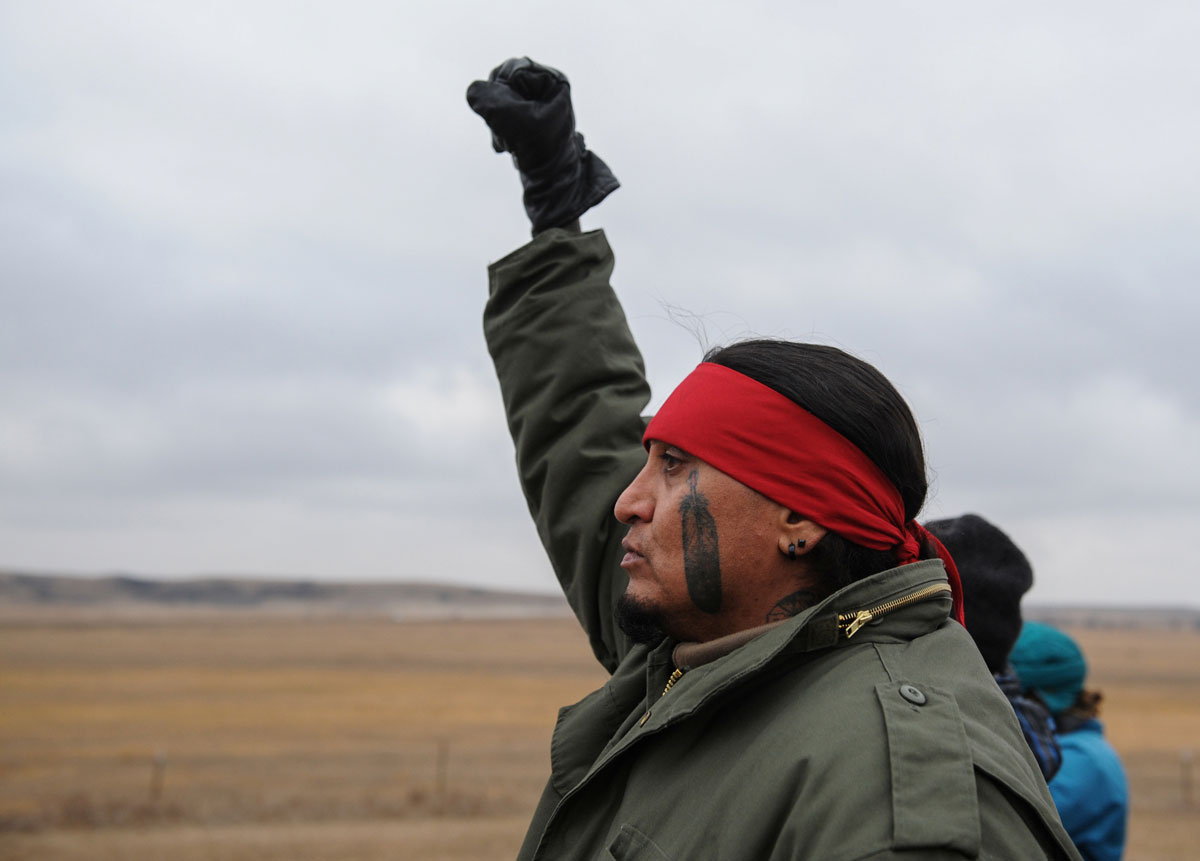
(792, 550)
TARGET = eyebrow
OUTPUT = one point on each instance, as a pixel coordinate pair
(673, 447)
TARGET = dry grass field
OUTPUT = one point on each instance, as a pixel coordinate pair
(233, 736)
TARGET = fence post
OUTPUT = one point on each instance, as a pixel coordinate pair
(1186, 761)
(443, 766)
(158, 769)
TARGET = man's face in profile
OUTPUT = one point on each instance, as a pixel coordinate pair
(699, 550)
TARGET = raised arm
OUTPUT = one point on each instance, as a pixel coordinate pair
(570, 373)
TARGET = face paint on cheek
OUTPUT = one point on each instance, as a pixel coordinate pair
(701, 560)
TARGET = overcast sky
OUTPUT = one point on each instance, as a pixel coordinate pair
(243, 251)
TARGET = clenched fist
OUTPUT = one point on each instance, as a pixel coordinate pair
(528, 108)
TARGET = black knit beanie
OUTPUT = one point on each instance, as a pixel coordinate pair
(995, 575)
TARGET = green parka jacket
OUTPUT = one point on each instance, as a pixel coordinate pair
(832, 735)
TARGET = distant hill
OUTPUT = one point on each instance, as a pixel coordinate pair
(1115, 617)
(25, 594)
(121, 594)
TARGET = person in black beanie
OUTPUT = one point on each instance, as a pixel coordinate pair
(995, 576)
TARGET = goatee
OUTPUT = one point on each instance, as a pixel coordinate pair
(639, 622)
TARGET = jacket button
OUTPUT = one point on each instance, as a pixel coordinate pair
(913, 695)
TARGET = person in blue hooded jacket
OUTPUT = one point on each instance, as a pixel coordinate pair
(1089, 789)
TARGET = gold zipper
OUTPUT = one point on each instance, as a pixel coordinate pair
(851, 622)
(675, 676)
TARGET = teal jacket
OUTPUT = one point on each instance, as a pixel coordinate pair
(864, 727)
(1091, 792)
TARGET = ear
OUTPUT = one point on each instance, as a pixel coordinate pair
(798, 534)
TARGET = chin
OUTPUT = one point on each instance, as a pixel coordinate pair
(639, 619)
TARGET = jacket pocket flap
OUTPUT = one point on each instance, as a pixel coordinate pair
(934, 798)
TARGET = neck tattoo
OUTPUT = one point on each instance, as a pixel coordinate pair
(789, 606)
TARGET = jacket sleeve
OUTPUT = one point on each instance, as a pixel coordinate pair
(574, 388)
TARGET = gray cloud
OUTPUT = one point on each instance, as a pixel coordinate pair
(242, 253)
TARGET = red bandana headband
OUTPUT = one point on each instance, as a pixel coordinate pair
(769, 443)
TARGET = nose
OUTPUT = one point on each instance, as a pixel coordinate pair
(636, 503)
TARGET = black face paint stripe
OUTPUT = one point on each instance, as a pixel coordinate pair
(701, 557)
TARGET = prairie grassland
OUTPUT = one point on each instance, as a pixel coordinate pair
(235, 736)
(1151, 713)
(248, 737)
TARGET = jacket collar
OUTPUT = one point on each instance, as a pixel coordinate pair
(724, 663)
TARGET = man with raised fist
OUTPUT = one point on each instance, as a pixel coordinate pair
(790, 675)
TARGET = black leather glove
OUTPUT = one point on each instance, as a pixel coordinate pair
(528, 108)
